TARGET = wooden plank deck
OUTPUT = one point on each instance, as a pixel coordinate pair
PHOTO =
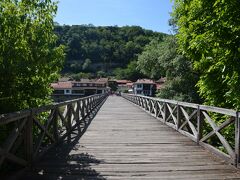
(124, 142)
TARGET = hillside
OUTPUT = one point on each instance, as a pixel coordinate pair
(95, 50)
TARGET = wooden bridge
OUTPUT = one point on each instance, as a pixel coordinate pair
(114, 138)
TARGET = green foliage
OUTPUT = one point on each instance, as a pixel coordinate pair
(29, 58)
(148, 62)
(130, 73)
(101, 74)
(86, 64)
(113, 85)
(81, 75)
(208, 34)
(160, 59)
(107, 47)
(180, 89)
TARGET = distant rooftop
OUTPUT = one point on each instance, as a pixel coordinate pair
(123, 81)
(129, 84)
(62, 85)
(144, 81)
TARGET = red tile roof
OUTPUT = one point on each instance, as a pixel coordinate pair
(129, 84)
(62, 85)
(145, 81)
(123, 81)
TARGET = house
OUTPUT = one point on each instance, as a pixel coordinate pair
(146, 87)
(62, 87)
(160, 83)
(130, 87)
(76, 89)
(123, 85)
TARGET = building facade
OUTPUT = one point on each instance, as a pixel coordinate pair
(123, 85)
(76, 89)
(144, 87)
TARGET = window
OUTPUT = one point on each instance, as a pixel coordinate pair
(139, 92)
(146, 93)
(77, 91)
(67, 91)
(139, 85)
(99, 91)
(58, 92)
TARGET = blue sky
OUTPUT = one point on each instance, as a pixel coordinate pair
(149, 14)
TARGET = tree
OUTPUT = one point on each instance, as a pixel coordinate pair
(208, 34)
(161, 59)
(107, 47)
(148, 60)
(101, 74)
(130, 73)
(29, 58)
(81, 75)
(86, 64)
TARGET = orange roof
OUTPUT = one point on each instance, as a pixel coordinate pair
(62, 85)
(123, 81)
(129, 84)
(144, 81)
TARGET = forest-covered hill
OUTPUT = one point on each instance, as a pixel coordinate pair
(95, 50)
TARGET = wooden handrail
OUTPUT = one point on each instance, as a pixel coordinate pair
(196, 122)
(28, 134)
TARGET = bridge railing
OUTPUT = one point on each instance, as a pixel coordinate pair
(27, 135)
(216, 129)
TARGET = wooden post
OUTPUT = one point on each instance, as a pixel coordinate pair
(199, 124)
(165, 112)
(237, 139)
(156, 108)
(151, 106)
(91, 103)
(88, 105)
(143, 103)
(178, 117)
(28, 139)
(55, 124)
(83, 107)
(146, 104)
(69, 123)
(78, 111)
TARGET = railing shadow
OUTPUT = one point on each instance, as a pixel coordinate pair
(59, 163)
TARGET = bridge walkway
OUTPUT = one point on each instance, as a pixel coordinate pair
(124, 142)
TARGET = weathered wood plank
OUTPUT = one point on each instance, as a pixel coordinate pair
(32, 136)
(124, 142)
